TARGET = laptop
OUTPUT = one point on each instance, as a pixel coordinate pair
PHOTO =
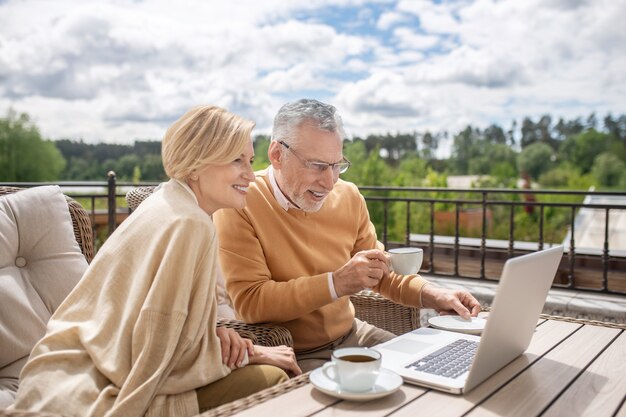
(456, 362)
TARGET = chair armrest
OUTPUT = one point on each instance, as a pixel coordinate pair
(385, 314)
(260, 334)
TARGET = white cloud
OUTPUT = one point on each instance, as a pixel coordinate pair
(408, 39)
(119, 70)
(389, 19)
(434, 18)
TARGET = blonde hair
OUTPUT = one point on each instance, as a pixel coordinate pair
(204, 135)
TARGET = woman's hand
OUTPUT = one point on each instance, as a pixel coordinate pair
(234, 347)
(280, 356)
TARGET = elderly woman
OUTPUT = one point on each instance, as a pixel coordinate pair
(137, 335)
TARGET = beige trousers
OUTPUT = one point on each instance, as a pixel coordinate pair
(361, 334)
(239, 384)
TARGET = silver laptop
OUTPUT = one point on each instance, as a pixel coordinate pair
(456, 362)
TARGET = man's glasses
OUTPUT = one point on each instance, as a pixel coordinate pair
(337, 167)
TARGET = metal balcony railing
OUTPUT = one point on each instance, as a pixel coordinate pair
(600, 268)
(436, 220)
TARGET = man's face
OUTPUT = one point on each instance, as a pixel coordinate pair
(307, 187)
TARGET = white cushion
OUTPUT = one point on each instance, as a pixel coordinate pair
(40, 263)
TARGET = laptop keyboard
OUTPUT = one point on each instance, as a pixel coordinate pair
(450, 361)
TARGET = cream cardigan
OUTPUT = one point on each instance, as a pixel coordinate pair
(137, 334)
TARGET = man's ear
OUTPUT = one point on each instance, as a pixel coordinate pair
(275, 155)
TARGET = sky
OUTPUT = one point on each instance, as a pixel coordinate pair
(121, 70)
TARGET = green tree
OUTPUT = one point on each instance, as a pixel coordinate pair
(124, 166)
(152, 168)
(491, 157)
(430, 143)
(616, 127)
(559, 177)
(581, 150)
(535, 159)
(261, 145)
(495, 134)
(609, 170)
(24, 154)
(392, 147)
(537, 132)
(464, 149)
(82, 168)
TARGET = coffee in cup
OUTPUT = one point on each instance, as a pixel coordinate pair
(354, 369)
(406, 261)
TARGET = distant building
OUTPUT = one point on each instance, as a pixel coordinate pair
(463, 181)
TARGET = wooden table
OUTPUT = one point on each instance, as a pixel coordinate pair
(571, 368)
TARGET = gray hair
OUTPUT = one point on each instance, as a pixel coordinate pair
(292, 115)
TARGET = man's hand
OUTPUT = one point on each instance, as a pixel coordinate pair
(446, 301)
(233, 346)
(281, 356)
(364, 270)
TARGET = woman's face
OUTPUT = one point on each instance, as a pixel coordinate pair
(224, 186)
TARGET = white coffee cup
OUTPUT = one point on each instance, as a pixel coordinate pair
(406, 261)
(354, 369)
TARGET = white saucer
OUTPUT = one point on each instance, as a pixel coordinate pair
(458, 324)
(387, 383)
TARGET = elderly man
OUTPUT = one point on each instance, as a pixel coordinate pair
(304, 242)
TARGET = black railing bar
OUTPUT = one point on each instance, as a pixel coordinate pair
(496, 202)
(490, 190)
(59, 183)
(572, 249)
(407, 240)
(385, 223)
(456, 239)
(112, 201)
(605, 252)
(366, 187)
(511, 247)
(431, 244)
(541, 214)
(79, 183)
(483, 235)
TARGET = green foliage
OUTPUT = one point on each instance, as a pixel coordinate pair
(152, 167)
(261, 145)
(571, 154)
(366, 165)
(474, 152)
(540, 132)
(138, 162)
(392, 148)
(491, 158)
(581, 150)
(24, 154)
(609, 170)
(535, 159)
(136, 174)
(559, 177)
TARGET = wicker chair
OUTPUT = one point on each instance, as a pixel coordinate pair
(369, 306)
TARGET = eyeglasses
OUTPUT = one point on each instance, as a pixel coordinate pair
(337, 167)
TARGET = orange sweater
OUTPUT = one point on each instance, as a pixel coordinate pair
(276, 262)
